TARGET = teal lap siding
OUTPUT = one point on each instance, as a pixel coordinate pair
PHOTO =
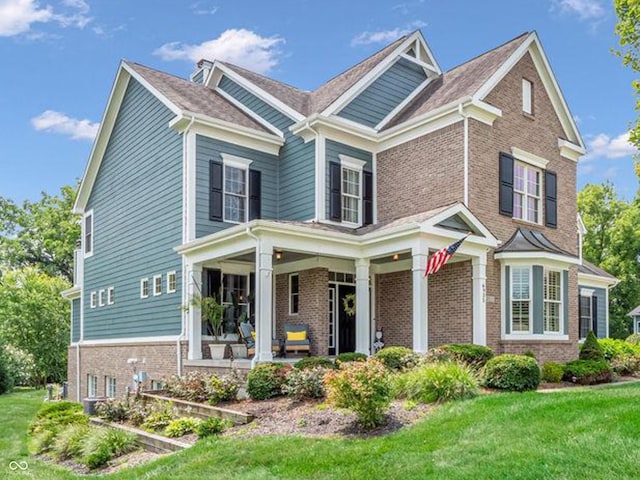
(137, 209)
(333, 150)
(75, 320)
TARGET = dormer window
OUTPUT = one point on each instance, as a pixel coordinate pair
(527, 96)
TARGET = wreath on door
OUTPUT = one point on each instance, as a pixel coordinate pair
(349, 304)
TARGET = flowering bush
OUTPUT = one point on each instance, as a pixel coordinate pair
(159, 415)
(437, 382)
(634, 339)
(306, 383)
(363, 387)
(191, 387)
(626, 364)
(113, 410)
(221, 389)
(266, 380)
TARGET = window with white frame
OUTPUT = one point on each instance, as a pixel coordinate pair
(235, 297)
(88, 234)
(552, 301)
(520, 299)
(144, 288)
(111, 295)
(110, 387)
(171, 282)
(526, 193)
(157, 285)
(93, 302)
(351, 195)
(294, 293)
(586, 315)
(527, 96)
(101, 298)
(235, 193)
(92, 386)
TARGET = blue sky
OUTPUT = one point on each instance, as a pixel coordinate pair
(59, 58)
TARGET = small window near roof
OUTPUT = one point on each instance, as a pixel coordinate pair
(144, 288)
(111, 295)
(527, 96)
(171, 282)
(294, 294)
(157, 285)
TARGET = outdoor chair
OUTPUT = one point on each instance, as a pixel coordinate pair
(296, 339)
(248, 336)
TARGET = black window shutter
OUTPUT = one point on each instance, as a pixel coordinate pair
(550, 200)
(335, 189)
(254, 194)
(215, 191)
(506, 184)
(594, 314)
(367, 198)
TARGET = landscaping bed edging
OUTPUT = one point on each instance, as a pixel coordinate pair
(149, 441)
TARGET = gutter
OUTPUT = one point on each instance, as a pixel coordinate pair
(465, 119)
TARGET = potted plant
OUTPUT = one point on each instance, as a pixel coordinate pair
(239, 350)
(213, 314)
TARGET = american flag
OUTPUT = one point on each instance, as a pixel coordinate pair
(442, 256)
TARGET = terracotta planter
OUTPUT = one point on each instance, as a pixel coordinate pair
(217, 350)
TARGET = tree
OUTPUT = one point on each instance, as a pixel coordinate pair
(35, 318)
(628, 29)
(41, 234)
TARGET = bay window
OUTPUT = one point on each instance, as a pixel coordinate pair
(520, 299)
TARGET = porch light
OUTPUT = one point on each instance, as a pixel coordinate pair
(278, 254)
(395, 257)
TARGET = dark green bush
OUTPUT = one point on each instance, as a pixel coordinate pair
(313, 362)
(350, 357)
(6, 378)
(210, 427)
(437, 382)
(266, 380)
(552, 372)
(588, 372)
(104, 444)
(476, 356)
(397, 358)
(53, 416)
(515, 373)
(530, 353)
(634, 339)
(591, 349)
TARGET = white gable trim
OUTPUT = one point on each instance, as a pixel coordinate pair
(254, 89)
(249, 112)
(534, 47)
(378, 70)
(403, 104)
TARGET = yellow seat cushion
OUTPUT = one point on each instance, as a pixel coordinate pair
(253, 334)
(296, 336)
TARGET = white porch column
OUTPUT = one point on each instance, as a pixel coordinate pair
(264, 301)
(420, 254)
(194, 320)
(363, 317)
(479, 265)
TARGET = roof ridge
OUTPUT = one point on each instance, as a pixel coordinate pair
(266, 77)
(165, 73)
(489, 51)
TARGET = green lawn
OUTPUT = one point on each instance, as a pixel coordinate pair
(560, 435)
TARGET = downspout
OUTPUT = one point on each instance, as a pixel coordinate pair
(318, 171)
(78, 395)
(183, 331)
(465, 119)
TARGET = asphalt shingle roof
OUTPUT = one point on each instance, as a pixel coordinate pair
(590, 269)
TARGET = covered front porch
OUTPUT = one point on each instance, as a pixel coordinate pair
(344, 284)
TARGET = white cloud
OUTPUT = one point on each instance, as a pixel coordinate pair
(584, 9)
(603, 146)
(203, 8)
(238, 46)
(57, 122)
(586, 168)
(18, 16)
(386, 36)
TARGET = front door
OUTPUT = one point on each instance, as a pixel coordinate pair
(346, 323)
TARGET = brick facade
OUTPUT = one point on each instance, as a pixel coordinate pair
(394, 308)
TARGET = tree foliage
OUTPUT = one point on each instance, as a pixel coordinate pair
(628, 29)
(35, 318)
(41, 234)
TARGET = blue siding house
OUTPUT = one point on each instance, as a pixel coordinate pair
(283, 203)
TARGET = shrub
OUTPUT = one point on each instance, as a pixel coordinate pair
(515, 373)
(439, 355)
(6, 378)
(437, 382)
(397, 358)
(20, 365)
(266, 380)
(113, 410)
(552, 372)
(159, 415)
(350, 357)
(626, 364)
(68, 443)
(363, 387)
(591, 349)
(634, 339)
(210, 427)
(612, 348)
(588, 372)
(530, 353)
(42, 441)
(476, 356)
(138, 411)
(313, 362)
(103, 444)
(307, 383)
(55, 415)
(223, 388)
(182, 426)
(191, 387)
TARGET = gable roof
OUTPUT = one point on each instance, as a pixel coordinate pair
(589, 268)
(635, 312)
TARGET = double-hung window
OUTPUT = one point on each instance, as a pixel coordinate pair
(157, 285)
(144, 288)
(110, 387)
(171, 282)
(552, 301)
(586, 315)
(92, 386)
(520, 299)
(235, 193)
(351, 195)
(87, 234)
(526, 193)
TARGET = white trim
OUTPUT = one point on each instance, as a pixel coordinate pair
(250, 113)
(235, 161)
(545, 271)
(175, 282)
(527, 196)
(72, 293)
(290, 294)
(606, 310)
(93, 299)
(156, 284)
(351, 163)
(238, 165)
(530, 300)
(111, 293)
(101, 293)
(125, 341)
(374, 181)
(588, 280)
(92, 385)
(109, 386)
(570, 150)
(156, 93)
(420, 63)
(356, 166)
(408, 99)
(142, 284)
(587, 292)
(539, 258)
(529, 158)
(527, 96)
(88, 214)
(321, 177)
(465, 140)
(189, 182)
(551, 337)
